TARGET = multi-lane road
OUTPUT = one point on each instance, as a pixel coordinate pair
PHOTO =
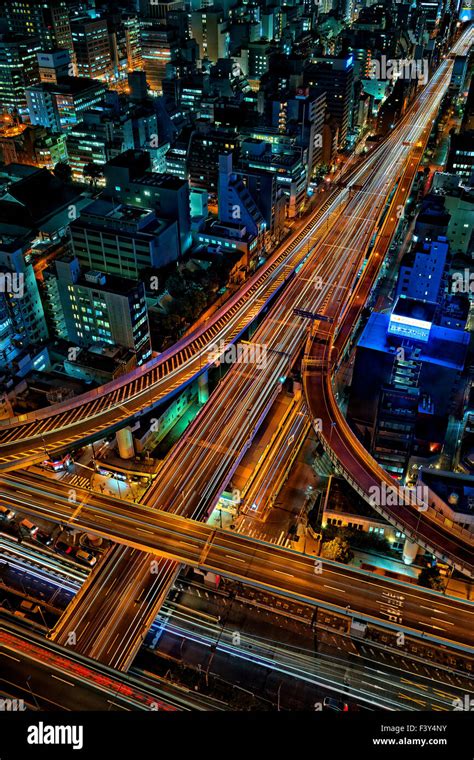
(47, 678)
(24, 438)
(421, 522)
(332, 585)
(122, 597)
(203, 461)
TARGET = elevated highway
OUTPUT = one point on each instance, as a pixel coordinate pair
(24, 438)
(330, 585)
(326, 344)
(123, 596)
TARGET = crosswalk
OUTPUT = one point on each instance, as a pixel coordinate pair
(76, 480)
(264, 533)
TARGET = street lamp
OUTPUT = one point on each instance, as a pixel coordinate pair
(28, 679)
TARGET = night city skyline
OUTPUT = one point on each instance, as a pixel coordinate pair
(236, 370)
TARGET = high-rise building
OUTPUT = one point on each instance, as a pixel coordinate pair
(133, 43)
(46, 19)
(404, 382)
(159, 45)
(122, 240)
(167, 195)
(235, 204)
(209, 29)
(18, 70)
(99, 309)
(431, 10)
(421, 271)
(91, 48)
(54, 65)
(259, 53)
(460, 159)
(458, 74)
(301, 115)
(335, 76)
(266, 151)
(159, 9)
(22, 322)
(60, 105)
(91, 142)
(203, 156)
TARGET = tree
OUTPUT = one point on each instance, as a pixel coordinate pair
(63, 172)
(338, 549)
(430, 578)
(93, 172)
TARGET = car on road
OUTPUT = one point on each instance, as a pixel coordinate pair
(28, 526)
(330, 703)
(44, 538)
(7, 513)
(63, 548)
(87, 557)
(29, 606)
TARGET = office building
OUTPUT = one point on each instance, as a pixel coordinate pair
(265, 150)
(235, 204)
(160, 9)
(122, 240)
(22, 322)
(159, 45)
(46, 19)
(422, 270)
(54, 65)
(60, 105)
(100, 309)
(128, 179)
(458, 74)
(203, 157)
(404, 384)
(210, 30)
(92, 49)
(335, 77)
(461, 156)
(18, 70)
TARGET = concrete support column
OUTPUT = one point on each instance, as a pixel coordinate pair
(125, 443)
(94, 540)
(203, 388)
(410, 550)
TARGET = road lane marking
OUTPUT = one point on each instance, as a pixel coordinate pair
(10, 656)
(62, 679)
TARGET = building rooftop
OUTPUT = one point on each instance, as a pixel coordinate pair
(69, 85)
(414, 309)
(454, 488)
(446, 347)
(42, 194)
(166, 181)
